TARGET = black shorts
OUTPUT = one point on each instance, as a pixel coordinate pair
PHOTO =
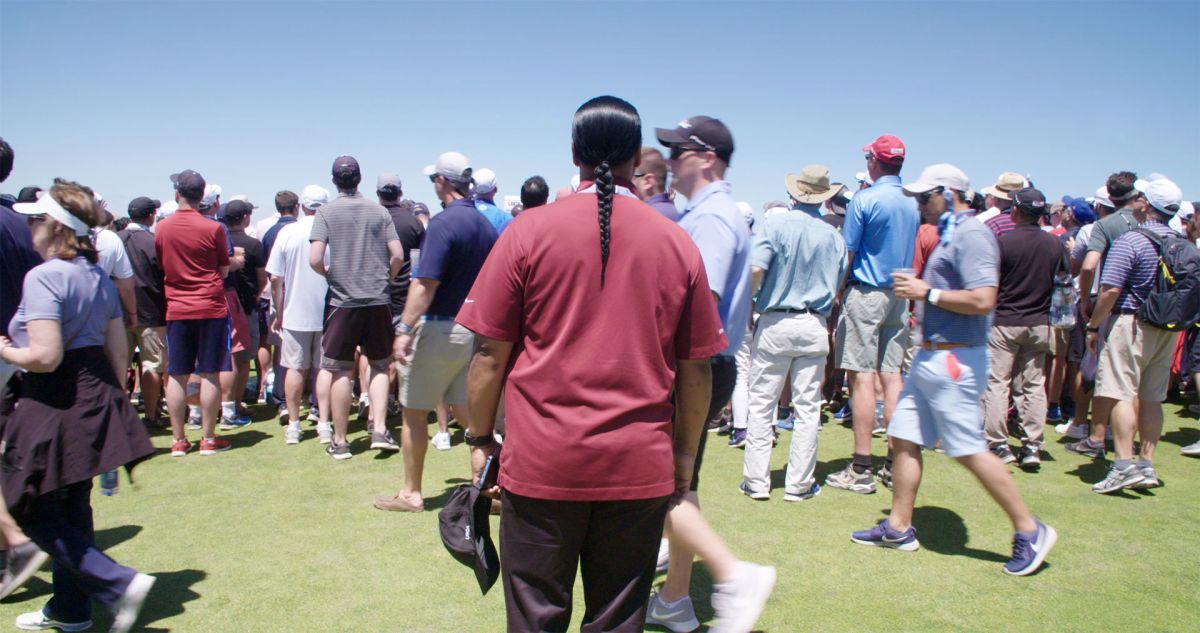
(1191, 352)
(1077, 343)
(346, 329)
(724, 379)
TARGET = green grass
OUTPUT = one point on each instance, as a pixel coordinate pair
(271, 537)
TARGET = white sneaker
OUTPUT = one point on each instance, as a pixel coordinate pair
(678, 618)
(1072, 430)
(739, 602)
(313, 417)
(1191, 450)
(499, 439)
(324, 432)
(37, 621)
(441, 441)
(130, 604)
(291, 435)
(664, 556)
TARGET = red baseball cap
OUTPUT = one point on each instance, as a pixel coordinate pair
(886, 149)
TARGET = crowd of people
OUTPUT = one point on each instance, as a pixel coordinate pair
(600, 340)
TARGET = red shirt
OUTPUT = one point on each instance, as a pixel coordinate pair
(927, 240)
(190, 248)
(587, 398)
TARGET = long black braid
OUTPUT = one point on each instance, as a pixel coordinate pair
(607, 131)
(604, 205)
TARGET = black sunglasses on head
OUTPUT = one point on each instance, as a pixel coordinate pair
(923, 198)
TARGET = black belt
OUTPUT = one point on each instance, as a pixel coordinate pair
(723, 360)
(793, 310)
(1124, 311)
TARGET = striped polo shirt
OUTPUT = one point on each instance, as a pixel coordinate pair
(1131, 265)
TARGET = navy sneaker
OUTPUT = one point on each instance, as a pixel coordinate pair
(786, 424)
(1029, 550)
(235, 422)
(1086, 448)
(1054, 413)
(737, 438)
(882, 535)
(844, 414)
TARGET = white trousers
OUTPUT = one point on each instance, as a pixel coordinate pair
(740, 400)
(796, 343)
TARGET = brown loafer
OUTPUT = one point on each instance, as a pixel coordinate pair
(396, 503)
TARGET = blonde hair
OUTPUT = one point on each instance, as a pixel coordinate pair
(79, 201)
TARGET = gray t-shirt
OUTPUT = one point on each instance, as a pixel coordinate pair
(971, 260)
(357, 232)
(75, 293)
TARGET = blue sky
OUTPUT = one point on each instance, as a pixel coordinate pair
(261, 96)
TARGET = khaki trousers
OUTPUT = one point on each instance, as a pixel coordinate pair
(1018, 363)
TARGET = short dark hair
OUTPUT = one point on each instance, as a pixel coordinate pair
(119, 224)
(1119, 186)
(889, 169)
(6, 159)
(389, 193)
(28, 194)
(286, 201)
(534, 192)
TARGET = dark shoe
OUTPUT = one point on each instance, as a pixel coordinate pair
(1086, 448)
(1029, 551)
(1004, 453)
(885, 476)
(1031, 458)
(21, 562)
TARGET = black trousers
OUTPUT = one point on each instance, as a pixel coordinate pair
(724, 379)
(615, 543)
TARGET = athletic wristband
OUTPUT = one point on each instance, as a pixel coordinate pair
(1093, 329)
(933, 296)
(403, 328)
(477, 442)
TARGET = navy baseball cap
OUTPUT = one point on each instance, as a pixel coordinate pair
(142, 206)
(346, 166)
(1030, 200)
(701, 133)
(234, 211)
(467, 534)
(189, 184)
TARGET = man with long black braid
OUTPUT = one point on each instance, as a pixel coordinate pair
(588, 348)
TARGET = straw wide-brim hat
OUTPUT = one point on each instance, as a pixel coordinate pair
(811, 185)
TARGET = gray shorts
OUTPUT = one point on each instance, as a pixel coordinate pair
(872, 333)
(437, 369)
(300, 350)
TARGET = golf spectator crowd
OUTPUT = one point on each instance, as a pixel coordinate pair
(592, 345)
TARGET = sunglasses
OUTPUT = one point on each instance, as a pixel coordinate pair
(433, 178)
(678, 152)
(923, 198)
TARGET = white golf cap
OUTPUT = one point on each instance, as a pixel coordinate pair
(388, 179)
(940, 175)
(1162, 194)
(747, 210)
(485, 181)
(451, 166)
(1177, 223)
(1102, 198)
(314, 196)
(862, 176)
(211, 193)
(244, 198)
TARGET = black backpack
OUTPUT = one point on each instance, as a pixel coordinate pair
(1174, 304)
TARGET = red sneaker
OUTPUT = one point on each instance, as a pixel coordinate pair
(214, 446)
(179, 448)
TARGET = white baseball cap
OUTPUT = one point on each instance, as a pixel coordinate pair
(485, 181)
(314, 196)
(1162, 194)
(451, 166)
(244, 198)
(1102, 198)
(939, 175)
(863, 176)
(747, 211)
(211, 193)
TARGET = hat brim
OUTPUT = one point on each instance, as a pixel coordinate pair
(792, 182)
(996, 193)
(429, 170)
(918, 188)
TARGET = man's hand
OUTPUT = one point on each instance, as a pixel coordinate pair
(909, 287)
(479, 457)
(277, 322)
(1093, 338)
(402, 348)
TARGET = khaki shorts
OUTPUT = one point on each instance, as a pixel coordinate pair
(150, 341)
(1060, 342)
(299, 350)
(872, 333)
(1134, 361)
(437, 369)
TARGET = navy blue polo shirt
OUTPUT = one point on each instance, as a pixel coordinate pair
(268, 238)
(457, 241)
(17, 257)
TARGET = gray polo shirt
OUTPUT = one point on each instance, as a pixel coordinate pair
(357, 232)
(970, 260)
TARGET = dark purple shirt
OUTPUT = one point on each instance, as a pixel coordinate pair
(17, 257)
(1001, 225)
(662, 203)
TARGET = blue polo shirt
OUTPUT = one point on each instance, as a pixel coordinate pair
(494, 214)
(881, 230)
(268, 238)
(714, 222)
(662, 203)
(457, 241)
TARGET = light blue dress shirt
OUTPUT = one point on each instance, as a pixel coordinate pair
(804, 259)
(720, 232)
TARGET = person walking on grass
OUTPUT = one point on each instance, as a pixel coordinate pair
(940, 400)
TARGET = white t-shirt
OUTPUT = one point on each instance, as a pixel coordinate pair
(303, 289)
(112, 258)
(262, 226)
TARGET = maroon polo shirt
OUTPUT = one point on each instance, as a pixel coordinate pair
(588, 394)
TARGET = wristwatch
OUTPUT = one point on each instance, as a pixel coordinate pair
(487, 440)
(1091, 328)
(403, 328)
